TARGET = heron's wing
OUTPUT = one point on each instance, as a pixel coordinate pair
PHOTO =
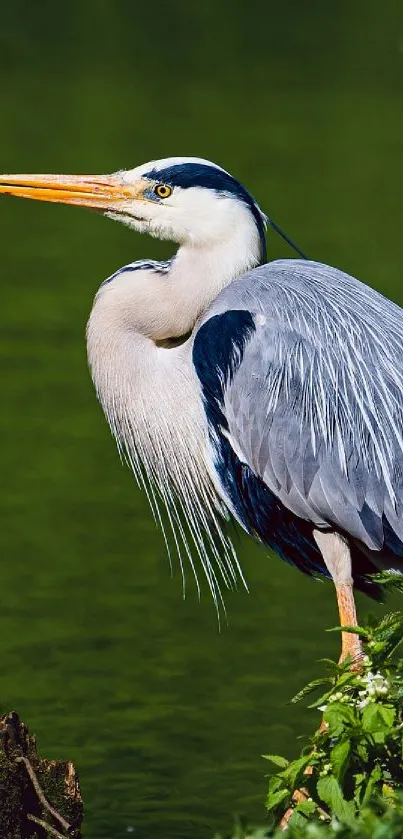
(302, 372)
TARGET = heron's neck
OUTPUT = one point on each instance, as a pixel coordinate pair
(155, 305)
(137, 380)
(198, 274)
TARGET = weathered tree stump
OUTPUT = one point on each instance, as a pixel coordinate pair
(38, 798)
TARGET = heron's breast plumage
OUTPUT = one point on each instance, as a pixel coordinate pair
(154, 408)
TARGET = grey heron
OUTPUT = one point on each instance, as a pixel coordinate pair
(266, 393)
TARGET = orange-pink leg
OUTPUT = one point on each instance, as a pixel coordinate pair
(336, 554)
(350, 643)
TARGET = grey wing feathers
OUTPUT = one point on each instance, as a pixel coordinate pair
(316, 406)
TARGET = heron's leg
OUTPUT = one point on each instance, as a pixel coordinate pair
(336, 554)
(350, 643)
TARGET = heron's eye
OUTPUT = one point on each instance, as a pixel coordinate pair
(162, 190)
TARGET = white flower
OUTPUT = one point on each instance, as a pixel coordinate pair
(374, 684)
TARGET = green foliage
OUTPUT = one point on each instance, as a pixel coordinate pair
(350, 774)
(376, 821)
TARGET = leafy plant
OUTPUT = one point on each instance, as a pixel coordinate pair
(348, 781)
(380, 821)
(356, 756)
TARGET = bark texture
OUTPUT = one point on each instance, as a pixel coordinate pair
(38, 798)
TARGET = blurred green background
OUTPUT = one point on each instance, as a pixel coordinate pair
(164, 716)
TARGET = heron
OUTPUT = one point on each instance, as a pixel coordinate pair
(239, 390)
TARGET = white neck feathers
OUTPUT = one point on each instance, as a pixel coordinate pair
(151, 395)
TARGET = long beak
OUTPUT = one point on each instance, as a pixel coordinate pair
(99, 192)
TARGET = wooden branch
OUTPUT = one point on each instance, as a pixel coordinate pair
(35, 783)
(38, 798)
(47, 827)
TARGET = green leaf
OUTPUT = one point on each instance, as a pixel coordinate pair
(275, 798)
(354, 630)
(339, 758)
(359, 780)
(388, 715)
(373, 779)
(307, 808)
(326, 680)
(332, 665)
(389, 579)
(348, 678)
(321, 700)
(378, 718)
(338, 717)
(344, 679)
(301, 813)
(329, 791)
(295, 770)
(362, 750)
(387, 636)
(278, 760)
(370, 718)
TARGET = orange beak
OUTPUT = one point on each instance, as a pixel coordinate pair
(107, 193)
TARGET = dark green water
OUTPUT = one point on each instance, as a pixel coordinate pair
(164, 717)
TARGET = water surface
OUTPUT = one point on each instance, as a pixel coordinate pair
(164, 716)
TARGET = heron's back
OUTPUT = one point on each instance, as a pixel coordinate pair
(313, 395)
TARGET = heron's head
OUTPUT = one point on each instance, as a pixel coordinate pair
(183, 199)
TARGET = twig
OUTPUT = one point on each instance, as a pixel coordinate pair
(300, 795)
(45, 803)
(46, 826)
